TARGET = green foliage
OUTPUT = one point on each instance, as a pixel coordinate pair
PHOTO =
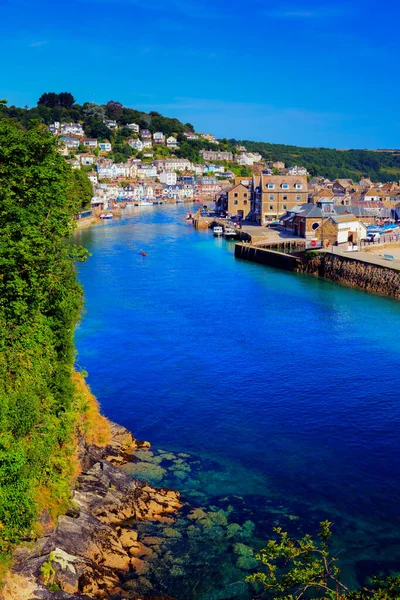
(40, 304)
(330, 163)
(305, 568)
(81, 188)
(51, 100)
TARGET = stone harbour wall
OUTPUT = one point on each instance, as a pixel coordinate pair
(354, 273)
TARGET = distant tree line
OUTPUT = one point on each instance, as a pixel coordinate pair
(326, 162)
(330, 163)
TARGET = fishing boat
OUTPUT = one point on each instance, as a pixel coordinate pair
(218, 231)
(106, 216)
(230, 233)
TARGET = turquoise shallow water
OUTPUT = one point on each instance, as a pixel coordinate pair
(285, 387)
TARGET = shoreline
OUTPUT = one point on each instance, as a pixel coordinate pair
(93, 549)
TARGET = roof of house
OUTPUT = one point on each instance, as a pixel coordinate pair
(345, 182)
(343, 218)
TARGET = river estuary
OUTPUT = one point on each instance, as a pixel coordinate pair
(270, 398)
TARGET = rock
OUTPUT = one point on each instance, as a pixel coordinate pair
(143, 444)
(139, 566)
(90, 550)
(122, 436)
(117, 560)
(128, 538)
(140, 550)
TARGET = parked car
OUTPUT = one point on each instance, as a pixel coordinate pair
(372, 237)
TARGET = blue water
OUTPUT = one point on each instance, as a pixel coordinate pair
(290, 382)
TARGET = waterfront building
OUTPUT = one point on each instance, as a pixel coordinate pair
(273, 195)
(169, 178)
(325, 221)
(235, 200)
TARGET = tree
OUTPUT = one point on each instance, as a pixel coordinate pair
(114, 109)
(66, 100)
(304, 568)
(51, 99)
(40, 304)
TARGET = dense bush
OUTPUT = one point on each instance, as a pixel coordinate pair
(40, 304)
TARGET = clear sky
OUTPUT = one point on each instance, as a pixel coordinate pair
(308, 73)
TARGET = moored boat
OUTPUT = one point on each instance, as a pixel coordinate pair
(218, 231)
(106, 216)
(230, 233)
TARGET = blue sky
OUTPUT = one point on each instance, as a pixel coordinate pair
(308, 73)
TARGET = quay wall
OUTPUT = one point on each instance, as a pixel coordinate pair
(354, 273)
(267, 257)
(343, 270)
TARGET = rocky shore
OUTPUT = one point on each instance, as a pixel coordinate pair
(94, 550)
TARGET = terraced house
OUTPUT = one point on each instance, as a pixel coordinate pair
(273, 195)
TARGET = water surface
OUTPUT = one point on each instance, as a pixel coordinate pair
(287, 382)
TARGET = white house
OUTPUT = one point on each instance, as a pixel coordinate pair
(72, 129)
(93, 178)
(90, 142)
(178, 164)
(133, 127)
(105, 146)
(69, 142)
(297, 171)
(190, 135)
(159, 137)
(111, 171)
(147, 144)
(54, 127)
(146, 134)
(172, 142)
(110, 123)
(145, 171)
(86, 160)
(136, 144)
(349, 228)
(168, 178)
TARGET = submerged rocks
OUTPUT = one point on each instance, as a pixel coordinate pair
(92, 550)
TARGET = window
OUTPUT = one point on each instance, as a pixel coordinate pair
(245, 195)
(284, 197)
(236, 195)
(285, 186)
(271, 207)
(298, 186)
(298, 197)
(284, 207)
(235, 202)
(272, 197)
(245, 202)
(315, 226)
(270, 186)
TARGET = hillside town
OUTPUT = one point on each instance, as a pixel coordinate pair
(273, 195)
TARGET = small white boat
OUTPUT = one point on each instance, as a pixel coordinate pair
(145, 202)
(218, 231)
(106, 216)
(230, 233)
